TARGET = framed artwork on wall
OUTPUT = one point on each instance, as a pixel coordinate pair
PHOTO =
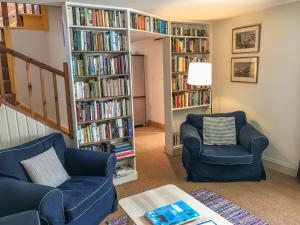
(244, 69)
(246, 39)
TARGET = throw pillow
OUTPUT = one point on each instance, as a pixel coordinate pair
(219, 131)
(46, 169)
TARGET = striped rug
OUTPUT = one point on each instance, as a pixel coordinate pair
(217, 203)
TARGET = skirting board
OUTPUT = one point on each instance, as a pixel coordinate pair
(279, 166)
(155, 124)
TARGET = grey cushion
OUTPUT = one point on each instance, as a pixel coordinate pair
(46, 169)
(219, 131)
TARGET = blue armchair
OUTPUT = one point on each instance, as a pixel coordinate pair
(241, 162)
(28, 217)
(85, 199)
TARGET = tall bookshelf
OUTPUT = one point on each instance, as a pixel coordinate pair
(99, 55)
(188, 42)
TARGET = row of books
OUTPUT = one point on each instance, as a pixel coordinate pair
(84, 40)
(89, 111)
(107, 131)
(97, 17)
(176, 139)
(188, 31)
(179, 83)
(122, 149)
(180, 45)
(123, 170)
(187, 99)
(92, 65)
(99, 88)
(181, 63)
(160, 26)
(140, 22)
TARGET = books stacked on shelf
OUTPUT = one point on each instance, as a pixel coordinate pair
(178, 45)
(189, 31)
(93, 65)
(160, 26)
(97, 17)
(181, 63)
(123, 170)
(122, 149)
(102, 88)
(176, 139)
(102, 147)
(189, 99)
(179, 83)
(140, 22)
(84, 40)
(93, 133)
(89, 111)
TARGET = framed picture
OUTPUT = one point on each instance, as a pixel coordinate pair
(246, 39)
(244, 69)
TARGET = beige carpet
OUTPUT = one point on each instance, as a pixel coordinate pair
(277, 200)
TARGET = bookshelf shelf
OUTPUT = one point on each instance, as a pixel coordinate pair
(190, 53)
(190, 90)
(103, 98)
(98, 52)
(191, 37)
(97, 28)
(102, 120)
(125, 157)
(190, 107)
(101, 76)
(104, 141)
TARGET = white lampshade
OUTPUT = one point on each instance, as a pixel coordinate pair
(199, 74)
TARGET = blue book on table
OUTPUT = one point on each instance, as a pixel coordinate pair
(172, 214)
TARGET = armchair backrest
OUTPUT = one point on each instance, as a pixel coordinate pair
(197, 119)
(10, 158)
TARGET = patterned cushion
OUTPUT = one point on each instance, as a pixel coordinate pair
(46, 169)
(219, 131)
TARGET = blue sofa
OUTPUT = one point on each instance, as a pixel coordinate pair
(85, 199)
(30, 217)
(241, 162)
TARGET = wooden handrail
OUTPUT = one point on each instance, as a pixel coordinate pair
(29, 78)
(30, 60)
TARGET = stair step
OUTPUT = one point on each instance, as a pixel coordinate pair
(10, 98)
(7, 87)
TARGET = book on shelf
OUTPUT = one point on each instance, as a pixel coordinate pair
(124, 153)
(98, 110)
(140, 22)
(176, 139)
(179, 83)
(181, 63)
(99, 88)
(81, 16)
(192, 98)
(160, 26)
(85, 40)
(93, 133)
(123, 170)
(180, 45)
(181, 30)
(93, 65)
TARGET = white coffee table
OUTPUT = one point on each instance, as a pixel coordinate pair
(135, 206)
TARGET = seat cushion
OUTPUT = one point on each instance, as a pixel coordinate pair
(81, 193)
(225, 155)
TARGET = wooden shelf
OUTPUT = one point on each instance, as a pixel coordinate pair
(190, 37)
(190, 107)
(102, 120)
(190, 53)
(97, 52)
(97, 28)
(102, 99)
(101, 76)
(104, 141)
(190, 90)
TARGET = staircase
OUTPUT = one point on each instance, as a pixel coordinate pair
(11, 94)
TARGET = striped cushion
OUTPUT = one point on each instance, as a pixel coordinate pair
(219, 131)
(46, 169)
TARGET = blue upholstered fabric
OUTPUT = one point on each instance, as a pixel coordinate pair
(82, 192)
(226, 155)
(223, 163)
(87, 198)
(28, 217)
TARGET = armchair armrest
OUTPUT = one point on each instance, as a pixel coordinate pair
(21, 196)
(28, 217)
(191, 139)
(89, 163)
(252, 140)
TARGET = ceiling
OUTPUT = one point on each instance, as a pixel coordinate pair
(190, 10)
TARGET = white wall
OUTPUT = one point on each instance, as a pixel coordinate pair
(47, 47)
(273, 104)
(153, 52)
